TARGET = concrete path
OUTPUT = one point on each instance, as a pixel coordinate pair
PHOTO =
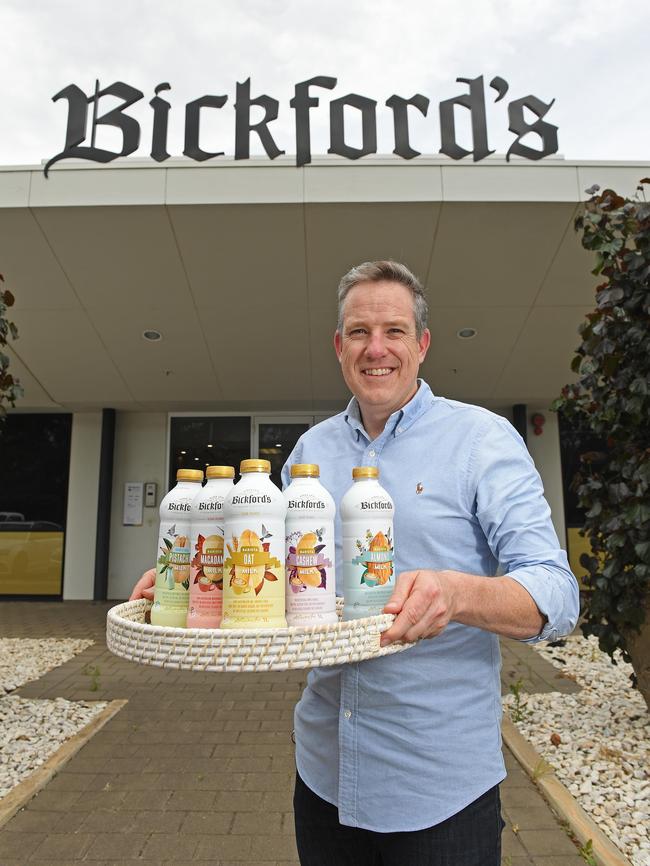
(198, 768)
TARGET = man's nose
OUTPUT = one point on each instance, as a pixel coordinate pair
(376, 346)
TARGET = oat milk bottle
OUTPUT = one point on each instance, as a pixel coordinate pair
(206, 572)
(310, 549)
(253, 570)
(171, 591)
(367, 521)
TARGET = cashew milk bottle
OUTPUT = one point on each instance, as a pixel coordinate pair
(310, 549)
(367, 520)
(253, 570)
(171, 591)
(206, 573)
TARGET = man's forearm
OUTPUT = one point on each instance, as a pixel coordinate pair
(425, 602)
(497, 604)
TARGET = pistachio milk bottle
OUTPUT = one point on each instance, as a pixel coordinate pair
(171, 591)
(253, 570)
(310, 549)
(206, 567)
(367, 522)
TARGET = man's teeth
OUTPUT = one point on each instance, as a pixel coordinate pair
(378, 371)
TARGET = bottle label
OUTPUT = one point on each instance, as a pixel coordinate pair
(254, 577)
(374, 560)
(306, 563)
(172, 571)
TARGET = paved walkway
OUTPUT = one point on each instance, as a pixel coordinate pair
(198, 768)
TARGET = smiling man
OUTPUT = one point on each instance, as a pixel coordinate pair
(399, 758)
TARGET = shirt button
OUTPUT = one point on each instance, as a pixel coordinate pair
(371, 453)
(347, 714)
(400, 429)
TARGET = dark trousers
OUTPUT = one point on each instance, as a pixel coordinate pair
(470, 838)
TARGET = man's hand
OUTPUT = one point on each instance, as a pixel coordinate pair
(423, 603)
(144, 587)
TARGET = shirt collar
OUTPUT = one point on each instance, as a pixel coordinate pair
(400, 420)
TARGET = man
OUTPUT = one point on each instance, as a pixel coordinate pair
(399, 757)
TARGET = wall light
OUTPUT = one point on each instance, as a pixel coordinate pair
(152, 335)
(467, 333)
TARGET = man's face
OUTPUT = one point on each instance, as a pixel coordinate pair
(378, 349)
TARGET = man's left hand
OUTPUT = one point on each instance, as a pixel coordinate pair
(423, 604)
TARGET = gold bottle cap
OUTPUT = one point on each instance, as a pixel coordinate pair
(189, 475)
(305, 470)
(220, 472)
(365, 472)
(255, 466)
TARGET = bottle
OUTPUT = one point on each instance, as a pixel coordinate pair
(253, 571)
(367, 519)
(171, 591)
(206, 572)
(310, 549)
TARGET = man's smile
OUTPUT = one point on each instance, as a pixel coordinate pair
(378, 371)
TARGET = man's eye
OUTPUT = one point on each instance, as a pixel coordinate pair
(355, 332)
(395, 331)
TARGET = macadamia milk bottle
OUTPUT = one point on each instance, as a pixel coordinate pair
(310, 549)
(253, 570)
(206, 572)
(367, 519)
(171, 591)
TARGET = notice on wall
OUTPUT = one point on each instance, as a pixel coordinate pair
(132, 509)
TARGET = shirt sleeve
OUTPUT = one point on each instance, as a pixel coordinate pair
(516, 520)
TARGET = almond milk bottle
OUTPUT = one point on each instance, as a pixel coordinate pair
(206, 572)
(367, 519)
(171, 591)
(253, 570)
(310, 549)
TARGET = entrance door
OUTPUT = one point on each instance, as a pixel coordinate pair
(274, 438)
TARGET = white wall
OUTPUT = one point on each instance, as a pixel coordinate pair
(545, 451)
(140, 455)
(81, 522)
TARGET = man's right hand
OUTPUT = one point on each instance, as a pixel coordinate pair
(144, 587)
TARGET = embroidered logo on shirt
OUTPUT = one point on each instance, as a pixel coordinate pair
(419, 488)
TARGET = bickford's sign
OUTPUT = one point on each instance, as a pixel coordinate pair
(543, 134)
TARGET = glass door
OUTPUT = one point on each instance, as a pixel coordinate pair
(274, 438)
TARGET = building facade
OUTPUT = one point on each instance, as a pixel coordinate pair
(183, 315)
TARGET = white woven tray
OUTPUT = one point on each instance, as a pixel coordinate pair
(201, 649)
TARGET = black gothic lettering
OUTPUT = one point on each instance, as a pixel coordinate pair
(518, 124)
(474, 101)
(160, 117)
(193, 127)
(368, 126)
(243, 126)
(501, 86)
(400, 106)
(301, 103)
(77, 117)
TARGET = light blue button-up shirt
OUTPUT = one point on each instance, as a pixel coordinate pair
(405, 741)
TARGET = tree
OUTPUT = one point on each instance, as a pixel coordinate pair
(611, 400)
(10, 389)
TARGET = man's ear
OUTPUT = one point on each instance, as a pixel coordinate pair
(338, 344)
(423, 344)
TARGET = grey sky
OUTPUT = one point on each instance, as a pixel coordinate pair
(592, 56)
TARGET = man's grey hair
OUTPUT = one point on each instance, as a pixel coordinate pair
(389, 271)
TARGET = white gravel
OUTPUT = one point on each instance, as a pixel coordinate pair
(22, 660)
(603, 753)
(31, 730)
